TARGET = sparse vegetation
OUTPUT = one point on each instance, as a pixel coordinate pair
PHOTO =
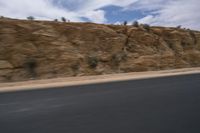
(146, 27)
(93, 61)
(63, 19)
(179, 27)
(135, 24)
(125, 23)
(30, 65)
(48, 49)
(30, 18)
(55, 20)
(118, 57)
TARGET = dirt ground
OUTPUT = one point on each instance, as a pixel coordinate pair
(73, 81)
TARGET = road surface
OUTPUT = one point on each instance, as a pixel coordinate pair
(158, 105)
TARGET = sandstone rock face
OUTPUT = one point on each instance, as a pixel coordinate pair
(5, 65)
(37, 50)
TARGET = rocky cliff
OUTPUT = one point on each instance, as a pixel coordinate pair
(41, 49)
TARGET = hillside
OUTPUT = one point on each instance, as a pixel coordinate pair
(42, 49)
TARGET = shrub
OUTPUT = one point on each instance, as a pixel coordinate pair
(93, 61)
(125, 22)
(178, 27)
(63, 19)
(118, 57)
(30, 18)
(135, 24)
(30, 65)
(55, 20)
(146, 27)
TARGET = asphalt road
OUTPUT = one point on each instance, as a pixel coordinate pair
(159, 105)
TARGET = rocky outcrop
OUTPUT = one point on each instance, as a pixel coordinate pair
(41, 49)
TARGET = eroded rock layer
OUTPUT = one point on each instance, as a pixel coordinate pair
(38, 50)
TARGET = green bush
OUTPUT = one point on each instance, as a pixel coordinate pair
(118, 57)
(178, 27)
(30, 65)
(93, 61)
(55, 20)
(125, 23)
(30, 18)
(146, 27)
(63, 19)
(135, 24)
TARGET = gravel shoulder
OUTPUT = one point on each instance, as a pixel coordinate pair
(73, 81)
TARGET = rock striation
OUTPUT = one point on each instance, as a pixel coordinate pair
(43, 49)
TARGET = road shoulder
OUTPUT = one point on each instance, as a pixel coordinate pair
(73, 81)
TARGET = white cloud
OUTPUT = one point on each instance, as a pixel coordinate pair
(97, 16)
(41, 9)
(149, 19)
(158, 12)
(171, 12)
(50, 9)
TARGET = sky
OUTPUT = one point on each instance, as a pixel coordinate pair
(153, 12)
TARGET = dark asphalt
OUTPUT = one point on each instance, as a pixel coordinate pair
(159, 105)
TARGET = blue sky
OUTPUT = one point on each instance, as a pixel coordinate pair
(115, 14)
(153, 12)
